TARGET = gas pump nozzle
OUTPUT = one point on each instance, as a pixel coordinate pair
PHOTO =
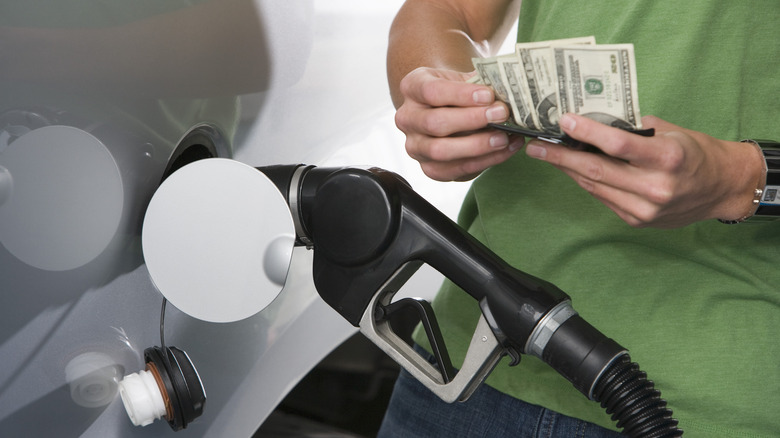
(370, 232)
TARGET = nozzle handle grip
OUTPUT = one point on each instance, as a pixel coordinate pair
(366, 224)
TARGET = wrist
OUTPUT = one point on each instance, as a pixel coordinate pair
(769, 204)
(765, 203)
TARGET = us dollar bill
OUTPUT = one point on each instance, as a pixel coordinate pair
(545, 79)
(599, 82)
(476, 79)
(541, 79)
(504, 75)
(490, 75)
(511, 71)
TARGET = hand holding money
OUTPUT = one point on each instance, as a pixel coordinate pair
(543, 80)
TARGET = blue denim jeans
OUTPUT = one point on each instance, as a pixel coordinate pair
(414, 411)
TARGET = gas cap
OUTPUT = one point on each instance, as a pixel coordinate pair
(217, 240)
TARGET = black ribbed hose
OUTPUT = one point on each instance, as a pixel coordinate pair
(632, 400)
(602, 370)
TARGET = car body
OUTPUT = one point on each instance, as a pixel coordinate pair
(98, 105)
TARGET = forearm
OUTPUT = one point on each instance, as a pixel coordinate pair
(445, 34)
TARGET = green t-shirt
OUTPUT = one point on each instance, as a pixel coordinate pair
(697, 307)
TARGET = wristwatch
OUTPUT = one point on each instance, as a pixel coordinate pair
(769, 205)
(767, 197)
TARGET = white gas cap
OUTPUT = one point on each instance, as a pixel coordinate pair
(218, 239)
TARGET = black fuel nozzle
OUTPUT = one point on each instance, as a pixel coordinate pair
(365, 224)
(370, 231)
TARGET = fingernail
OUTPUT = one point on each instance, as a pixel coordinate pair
(496, 113)
(482, 96)
(516, 144)
(499, 140)
(567, 122)
(534, 150)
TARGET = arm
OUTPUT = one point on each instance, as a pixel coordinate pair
(670, 180)
(429, 56)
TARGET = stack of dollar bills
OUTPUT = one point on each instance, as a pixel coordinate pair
(545, 79)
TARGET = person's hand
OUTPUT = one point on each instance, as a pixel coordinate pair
(672, 179)
(444, 120)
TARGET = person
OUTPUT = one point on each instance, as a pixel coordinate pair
(631, 235)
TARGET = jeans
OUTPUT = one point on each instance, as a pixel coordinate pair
(414, 411)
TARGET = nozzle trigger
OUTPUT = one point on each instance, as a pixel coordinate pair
(483, 354)
(432, 330)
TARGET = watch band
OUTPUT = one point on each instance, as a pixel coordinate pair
(769, 205)
(767, 197)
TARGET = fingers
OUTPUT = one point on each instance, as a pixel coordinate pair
(467, 168)
(438, 88)
(614, 142)
(425, 148)
(444, 121)
(596, 172)
(439, 103)
(661, 181)
(633, 208)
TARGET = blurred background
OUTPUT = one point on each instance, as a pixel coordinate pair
(99, 103)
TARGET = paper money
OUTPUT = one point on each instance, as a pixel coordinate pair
(511, 71)
(545, 79)
(541, 78)
(476, 79)
(487, 69)
(503, 74)
(599, 82)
